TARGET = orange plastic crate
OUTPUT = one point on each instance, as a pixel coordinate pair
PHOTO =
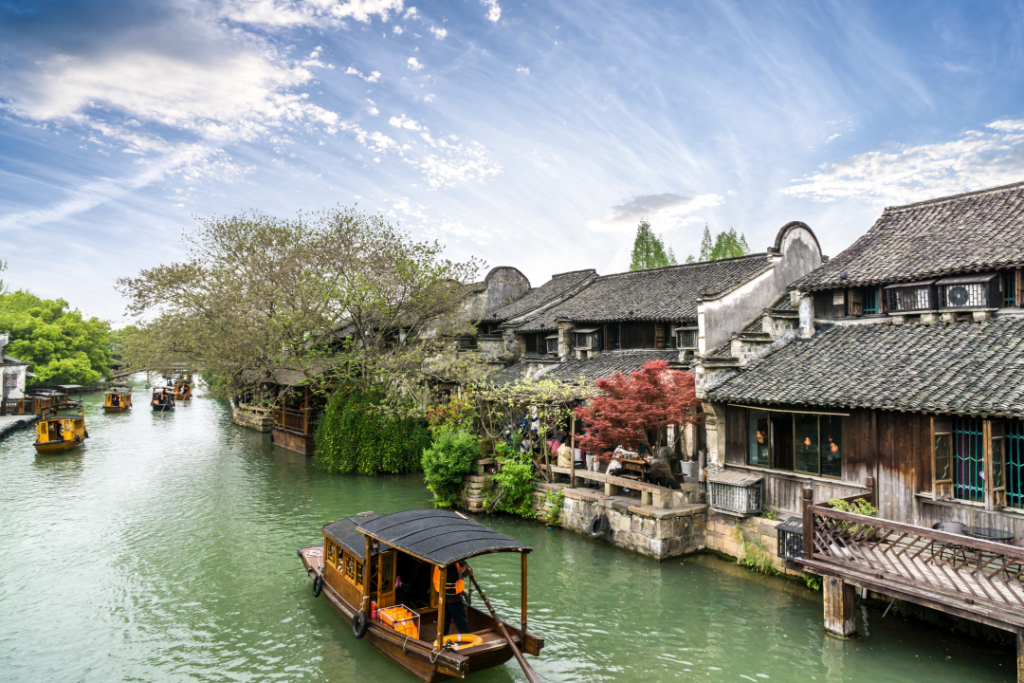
(400, 618)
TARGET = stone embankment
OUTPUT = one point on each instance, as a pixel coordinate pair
(11, 423)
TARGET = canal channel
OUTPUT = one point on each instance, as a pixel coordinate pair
(164, 550)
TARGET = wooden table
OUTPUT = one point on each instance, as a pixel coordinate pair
(639, 466)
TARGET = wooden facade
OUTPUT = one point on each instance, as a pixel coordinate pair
(896, 450)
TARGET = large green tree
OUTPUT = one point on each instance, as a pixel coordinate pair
(338, 294)
(649, 249)
(726, 244)
(61, 345)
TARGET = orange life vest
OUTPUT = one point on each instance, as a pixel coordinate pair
(449, 588)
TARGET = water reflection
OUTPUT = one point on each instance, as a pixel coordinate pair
(175, 534)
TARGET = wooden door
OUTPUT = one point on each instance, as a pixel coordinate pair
(386, 579)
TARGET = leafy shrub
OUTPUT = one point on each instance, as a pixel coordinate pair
(813, 581)
(458, 412)
(358, 433)
(769, 514)
(513, 485)
(857, 507)
(554, 501)
(448, 460)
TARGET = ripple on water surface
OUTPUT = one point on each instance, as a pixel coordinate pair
(164, 550)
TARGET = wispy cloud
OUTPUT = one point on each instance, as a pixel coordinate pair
(451, 163)
(285, 13)
(414, 64)
(975, 160)
(438, 32)
(664, 211)
(404, 122)
(525, 70)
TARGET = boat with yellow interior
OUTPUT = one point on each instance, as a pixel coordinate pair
(163, 399)
(118, 399)
(60, 433)
(381, 573)
(183, 388)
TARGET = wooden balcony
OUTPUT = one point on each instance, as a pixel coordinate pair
(968, 577)
(293, 421)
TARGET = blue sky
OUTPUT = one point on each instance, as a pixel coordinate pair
(533, 135)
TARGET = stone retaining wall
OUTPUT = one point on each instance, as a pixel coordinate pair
(735, 536)
(258, 420)
(655, 532)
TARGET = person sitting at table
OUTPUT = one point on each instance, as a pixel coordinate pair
(564, 456)
(577, 459)
(615, 466)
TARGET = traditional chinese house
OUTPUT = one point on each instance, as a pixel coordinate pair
(904, 386)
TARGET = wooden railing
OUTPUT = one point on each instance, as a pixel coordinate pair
(24, 406)
(291, 420)
(948, 571)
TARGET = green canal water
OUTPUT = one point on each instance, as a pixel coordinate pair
(164, 550)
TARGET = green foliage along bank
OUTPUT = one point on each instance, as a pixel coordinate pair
(447, 462)
(359, 434)
(61, 345)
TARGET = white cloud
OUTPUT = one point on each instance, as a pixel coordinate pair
(398, 30)
(414, 64)
(525, 70)
(372, 78)
(283, 13)
(428, 98)
(439, 33)
(664, 211)
(493, 10)
(452, 164)
(314, 60)
(978, 159)
(411, 13)
(404, 122)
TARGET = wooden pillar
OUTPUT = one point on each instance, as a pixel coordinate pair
(840, 611)
(808, 501)
(365, 604)
(441, 596)
(572, 447)
(1020, 650)
(522, 607)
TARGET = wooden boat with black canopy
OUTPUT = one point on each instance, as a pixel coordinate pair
(58, 433)
(163, 399)
(388, 562)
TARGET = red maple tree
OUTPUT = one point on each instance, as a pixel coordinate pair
(634, 409)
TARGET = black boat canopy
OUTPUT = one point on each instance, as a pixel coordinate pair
(438, 536)
(346, 533)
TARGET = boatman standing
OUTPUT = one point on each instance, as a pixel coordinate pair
(454, 587)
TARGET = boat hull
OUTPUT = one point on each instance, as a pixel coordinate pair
(57, 447)
(412, 655)
(162, 408)
(116, 409)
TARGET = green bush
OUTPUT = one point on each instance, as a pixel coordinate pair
(446, 463)
(555, 501)
(513, 485)
(357, 433)
(757, 559)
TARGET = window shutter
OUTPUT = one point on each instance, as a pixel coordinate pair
(942, 457)
(856, 302)
(995, 464)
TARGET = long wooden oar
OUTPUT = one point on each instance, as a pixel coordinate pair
(530, 675)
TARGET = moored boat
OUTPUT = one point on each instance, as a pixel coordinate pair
(380, 573)
(163, 399)
(60, 433)
(118, 399)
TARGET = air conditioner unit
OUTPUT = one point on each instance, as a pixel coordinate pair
(969, 291)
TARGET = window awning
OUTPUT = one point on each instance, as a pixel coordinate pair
(589, 330)
(967, 279)
(900, 285)
(552, 336)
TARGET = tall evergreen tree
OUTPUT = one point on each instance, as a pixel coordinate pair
(649, 249)
(726, 244)
(706, 245)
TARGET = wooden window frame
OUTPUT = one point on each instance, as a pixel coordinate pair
(942, 486)
(995, 464)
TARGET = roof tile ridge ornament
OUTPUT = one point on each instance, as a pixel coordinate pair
(954, 197)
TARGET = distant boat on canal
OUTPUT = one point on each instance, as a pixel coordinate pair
(381, 574)
(183, 389)
(118, 399)
(163, 399)
(60, 433)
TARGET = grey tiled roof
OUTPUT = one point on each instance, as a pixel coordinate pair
(659, 295)
(964, 233)
(604, 365)
(537, 297)
(961, 368)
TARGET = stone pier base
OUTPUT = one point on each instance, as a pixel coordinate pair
(253, 418)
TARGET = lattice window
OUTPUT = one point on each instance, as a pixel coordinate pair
(968, 460)
(551, 343)
(910, 297)
(1015, 463)
(686, 338)
(869, 300)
